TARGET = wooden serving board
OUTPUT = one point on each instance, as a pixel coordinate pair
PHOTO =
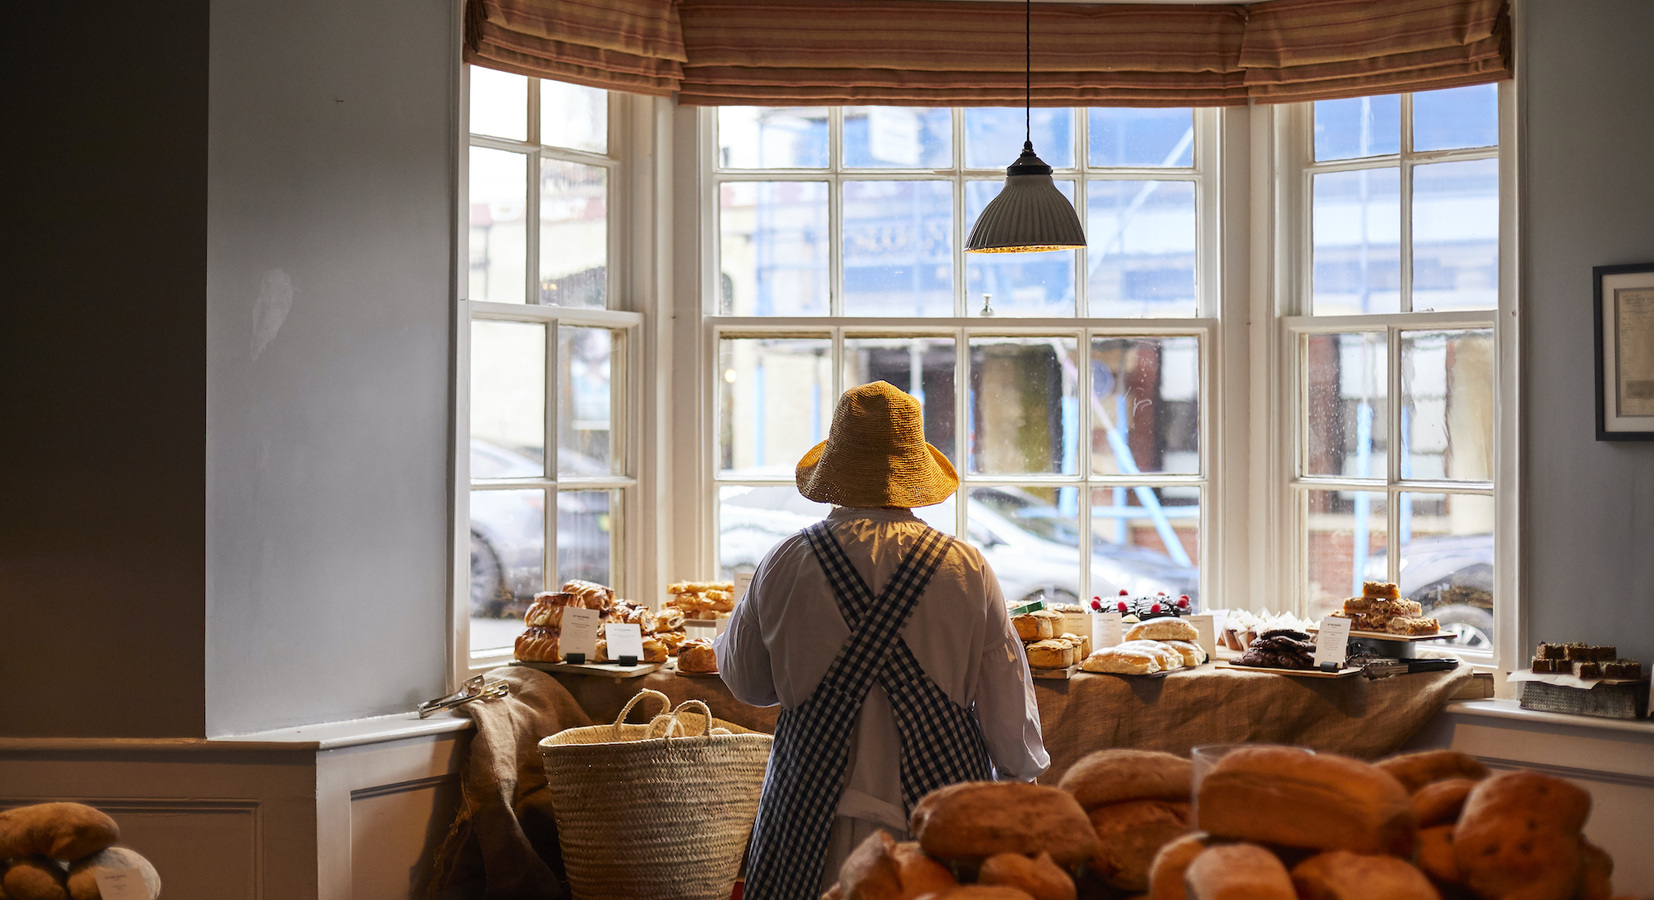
(1296, 673)
(1404, 638)
(1058, 674)
(613, 670)
(697, 674)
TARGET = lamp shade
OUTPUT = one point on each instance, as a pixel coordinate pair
(1029, 215)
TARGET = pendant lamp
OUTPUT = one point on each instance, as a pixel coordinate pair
(1030, 214)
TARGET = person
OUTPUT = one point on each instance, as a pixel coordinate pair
(887, 645)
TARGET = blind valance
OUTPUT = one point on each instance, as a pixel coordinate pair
(954, 53)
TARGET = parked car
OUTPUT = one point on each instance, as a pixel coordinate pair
(1451, 576)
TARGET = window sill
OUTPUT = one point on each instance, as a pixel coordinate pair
(1510, 710)
(301, 739)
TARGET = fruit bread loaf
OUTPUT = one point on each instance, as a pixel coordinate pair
(1520, 831)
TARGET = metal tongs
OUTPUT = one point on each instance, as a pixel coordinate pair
(475, 688)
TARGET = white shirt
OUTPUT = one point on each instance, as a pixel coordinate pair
(786, 631)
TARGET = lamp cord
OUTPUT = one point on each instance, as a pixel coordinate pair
(1028, 71)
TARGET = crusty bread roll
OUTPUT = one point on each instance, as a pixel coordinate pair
(1167, 628)
(968, 822)
(1192, 653)
(1052, 654)
(881, 869)
(1130, 834)
(1435, 856)
(1519, 831)
(1033, 628)
(1342, 875)
(1440, 801)
(1596, 873)
(83, 875)
(1122, 660)
(1040, 878)
(1237, 872)
(697, 655)
(1169, 865)
(1415, 770)
(1117, 775)
(58, 830)
(537, 644)
(35, 878)
(1314, 801)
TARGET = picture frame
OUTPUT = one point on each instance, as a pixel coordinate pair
(1624, 324)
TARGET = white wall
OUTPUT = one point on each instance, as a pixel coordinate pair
(1585, 80)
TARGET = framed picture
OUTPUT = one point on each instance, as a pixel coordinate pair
(1625, 352)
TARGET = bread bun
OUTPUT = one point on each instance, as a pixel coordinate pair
(1596, 873)
(1519, 831)
(1114, 776)
(1040, 878)
(1237, 872)
(697, 655)
(537, 644)
(1122, 661)
(1440, 802)
(1435, 856)
(1168, 628)
(1169, 865)
(1130, 834)
(1342, 875)
(1415, 770)
(881, 869)
(35, 878)
(1033, 628)
(1052, 654)
(968, 822)
(1313, 801)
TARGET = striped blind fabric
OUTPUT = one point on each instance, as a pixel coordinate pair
(954, 53)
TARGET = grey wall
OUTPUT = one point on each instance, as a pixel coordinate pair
(1585, 84)
(103, 371)
(327, 358)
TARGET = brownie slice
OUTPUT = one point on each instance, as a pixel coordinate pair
(1587, 669)
(1543, 665)
(1552, 651)
(1622, 668)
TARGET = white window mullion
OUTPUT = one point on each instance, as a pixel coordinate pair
(1405, 204)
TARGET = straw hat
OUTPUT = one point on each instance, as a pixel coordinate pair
(876, 455)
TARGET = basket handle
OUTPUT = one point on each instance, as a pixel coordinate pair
(676, 724)
(656, 696)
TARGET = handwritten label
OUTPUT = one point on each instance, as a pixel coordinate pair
(1207, 630)
(1075, 623)
(743, 580)
(121, 884)
(624, 640)
(1106, 630)
(580, 632)
(1333, 641)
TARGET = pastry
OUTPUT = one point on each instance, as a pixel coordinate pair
(1411, 625)
(1039, 878)
(697, 656)
(1031, 627)
(1051, 654)
(1519, 834)
(1313, 801)
(1193, 655)
(1387, 590)
(1130, 834)
(1439, 802)
(668, 619)
(538, 644)
(968, 822)
(1622, 668)
(1118, 775)
(654, 651)
(1237, 872)
(1342, 875)
(590, 594)
(1122, 661)
(673, 641)
(1167, 870)
(1163, 629)
(1415, 770)
(547, 609)
(881, 869)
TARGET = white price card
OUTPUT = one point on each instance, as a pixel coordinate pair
(1332, 641)
(1106, 630)
(1208, 633)
(743, 580)
(1075, 623)
(580, 632)
(122, 884)
(624, 640)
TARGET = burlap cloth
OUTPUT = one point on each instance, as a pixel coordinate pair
(1353, 716)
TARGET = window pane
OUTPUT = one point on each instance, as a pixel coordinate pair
(1456, 235)
(508, 397)
(585, 358)
(1141, 137)
(994, 136)
(762, 137)
(574, 234)
(1146, 540)
(508, 542)
(1447, 562)
(585, 536)
(1357, 229)
(1361, 126)
(775, 402)
(1346, 533)
(1141, 248)
(1346, 382)
(1030, 537)
(1017, 284)
(573, 116)
(1456, 117)
(1022, 413)
(1447, 405)
(900, 137)
(772, 248)
(922, 367)
(752, 520)
(1145, 405)
(499, 225)
(898, 248)
(499, 104)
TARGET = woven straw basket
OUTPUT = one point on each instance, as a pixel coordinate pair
(661, 810)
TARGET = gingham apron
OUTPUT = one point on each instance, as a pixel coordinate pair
(941, 740)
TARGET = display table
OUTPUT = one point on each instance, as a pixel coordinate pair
(1184, 709)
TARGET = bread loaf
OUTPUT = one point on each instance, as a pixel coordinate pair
(59, 830)
(1321, 801)
(1172, 862)
(1122, 660)
(1192, 653)
(1415, 770)
(1435, 855)
(881, 869)
(1342, 875)
(1130, 834)
(1040, 878)
(1052, 654)
(967, 823)
(1440, 801)
(1237, 872)
(979, 892)
(83, 875)
(1520, 831)
(1114, 776)
(1167, 628)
